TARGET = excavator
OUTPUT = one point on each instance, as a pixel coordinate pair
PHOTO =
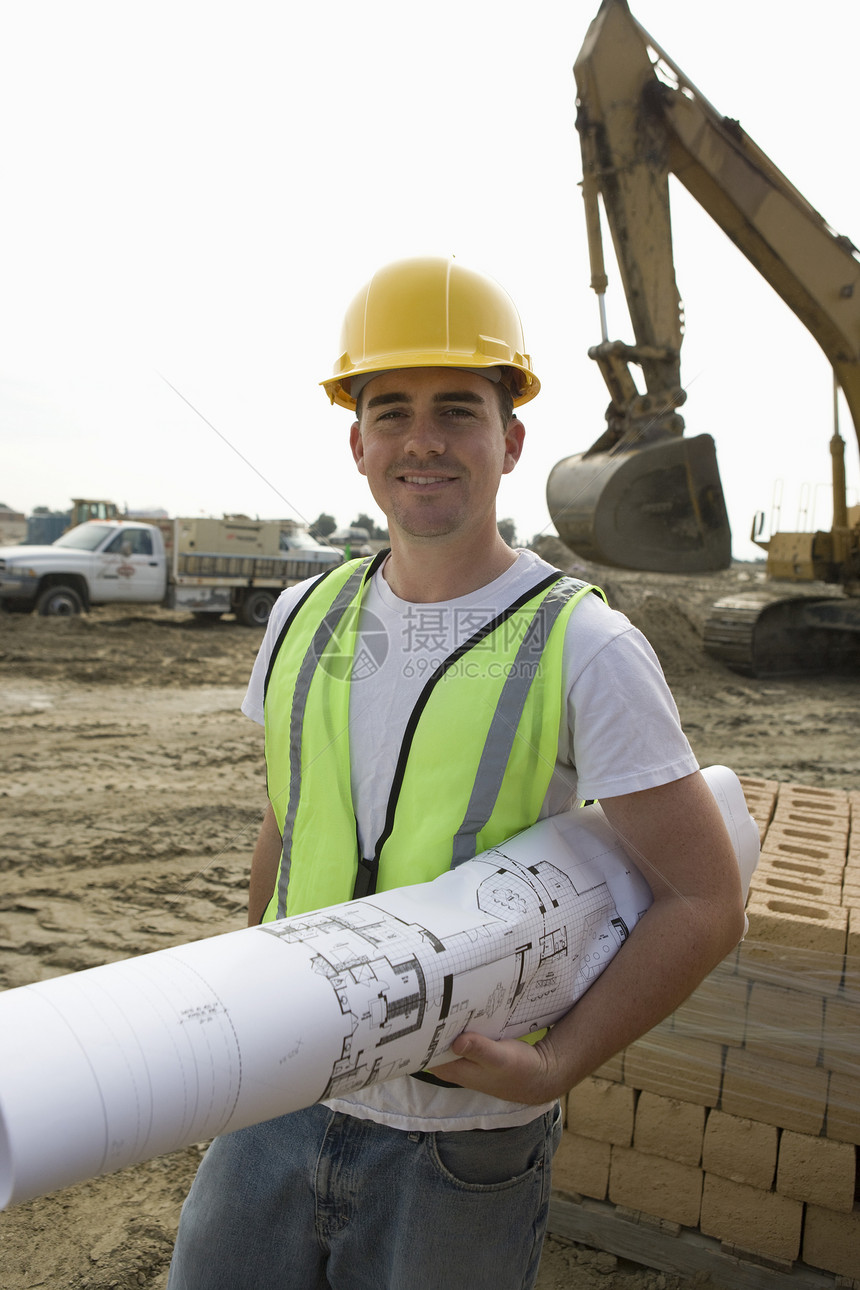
(644, 495)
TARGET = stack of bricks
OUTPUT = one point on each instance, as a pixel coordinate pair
(739, 1116)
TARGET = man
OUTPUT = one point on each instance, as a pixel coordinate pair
(398, 743)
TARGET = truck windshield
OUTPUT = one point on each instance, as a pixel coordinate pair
(86, 537)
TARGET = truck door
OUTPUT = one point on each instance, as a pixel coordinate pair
(129, 568)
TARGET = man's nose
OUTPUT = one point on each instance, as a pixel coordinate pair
(425, 436)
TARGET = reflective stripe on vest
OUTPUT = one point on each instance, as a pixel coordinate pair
(496, 701)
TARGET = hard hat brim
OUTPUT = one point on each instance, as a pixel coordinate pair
(522, 382)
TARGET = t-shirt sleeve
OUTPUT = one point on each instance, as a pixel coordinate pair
(624, 729)
(252, 704)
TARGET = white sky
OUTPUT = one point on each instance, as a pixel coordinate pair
(194, 191)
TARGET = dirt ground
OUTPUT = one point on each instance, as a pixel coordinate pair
(131, 790)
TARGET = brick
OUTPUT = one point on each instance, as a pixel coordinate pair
(811, 824)
(784, 1024)
(761, 808)
(829, 801)
(758, 787)
(851, 895)
(581, 1165)
(792, 867)
(776, 845)
(787, 1095)
(657, 1186)
(602, 1110)
(716, 1010)
(753, 784)
(831, 1240)
(612, 1070)
(841, 1042)
(852, 943)
(843, 1109)
(766, 883)
(794, 922)
(816, 1170)
(740, 1149)
(791, 808)
(760, 1221)
(675, 1066)
(804, 970)
(668, 1128)
(829, 838)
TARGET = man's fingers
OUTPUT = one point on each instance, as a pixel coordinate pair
(477, 1049)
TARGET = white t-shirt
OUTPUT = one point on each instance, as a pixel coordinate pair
(622, 734)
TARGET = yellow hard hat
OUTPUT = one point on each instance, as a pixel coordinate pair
(431, 312)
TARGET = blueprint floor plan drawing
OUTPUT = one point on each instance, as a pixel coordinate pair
(535, 939)
(117, 1064)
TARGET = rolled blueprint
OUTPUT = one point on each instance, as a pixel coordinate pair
(112, 1066)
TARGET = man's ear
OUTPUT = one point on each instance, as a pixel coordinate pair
(515, 433)
(357, 445)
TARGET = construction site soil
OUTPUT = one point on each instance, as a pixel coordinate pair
(132, 788)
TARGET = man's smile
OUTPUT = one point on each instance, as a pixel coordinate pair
(422, 481)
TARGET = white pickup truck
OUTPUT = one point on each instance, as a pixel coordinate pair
(197, 565)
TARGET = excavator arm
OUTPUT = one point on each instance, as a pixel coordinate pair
(815, 270)
(644, 495)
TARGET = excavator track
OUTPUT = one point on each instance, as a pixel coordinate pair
(770, 634)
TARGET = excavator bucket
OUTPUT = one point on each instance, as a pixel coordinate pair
(658, 507)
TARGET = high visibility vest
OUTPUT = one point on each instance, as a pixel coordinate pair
(474, 765)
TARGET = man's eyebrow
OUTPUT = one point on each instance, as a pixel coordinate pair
(448, 396)
(379, 400)
(458, 396)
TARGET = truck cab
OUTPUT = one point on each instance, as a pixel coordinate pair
(94, 563)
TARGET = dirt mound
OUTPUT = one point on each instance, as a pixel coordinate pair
(676, 640)
(670, 609)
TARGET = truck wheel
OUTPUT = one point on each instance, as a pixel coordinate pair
(59, 602)
(255, 608)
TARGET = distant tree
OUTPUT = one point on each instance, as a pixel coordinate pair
(323, 525)
(363, 521)
(508, 530)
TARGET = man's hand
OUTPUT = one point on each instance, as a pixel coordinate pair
(676, 836)
(504, 1068)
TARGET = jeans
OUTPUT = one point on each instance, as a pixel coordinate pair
(317, 1200)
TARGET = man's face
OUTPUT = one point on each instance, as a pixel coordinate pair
(433, 447)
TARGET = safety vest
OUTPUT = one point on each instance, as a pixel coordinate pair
(474, 765)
